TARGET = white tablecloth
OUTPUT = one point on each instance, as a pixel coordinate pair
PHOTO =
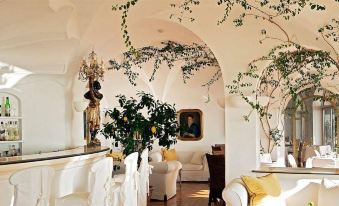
(325, 162)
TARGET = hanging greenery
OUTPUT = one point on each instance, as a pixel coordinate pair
(191, 59)
(136, 124)
(290, 68)
(278, 81)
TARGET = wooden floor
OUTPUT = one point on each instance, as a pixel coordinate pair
(189, 194)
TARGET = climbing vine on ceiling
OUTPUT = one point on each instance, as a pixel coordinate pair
(191, 58)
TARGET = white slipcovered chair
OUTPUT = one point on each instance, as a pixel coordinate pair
(324, 150)
(125, 186)
(100, 179)
(144, 170)
(309, 163)
(164, 178)
(292, 161)
(32, 186)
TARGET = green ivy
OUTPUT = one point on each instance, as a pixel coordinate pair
(290, 69)
(192, 58)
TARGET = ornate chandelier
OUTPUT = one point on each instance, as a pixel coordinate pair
(91, 69)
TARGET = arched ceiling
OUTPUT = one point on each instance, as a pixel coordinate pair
(52, 36)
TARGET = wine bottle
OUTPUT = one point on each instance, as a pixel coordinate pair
(3, 106)
(10, 131)
(6, 135)
(7, 107)
(2, 132)
(15, 131)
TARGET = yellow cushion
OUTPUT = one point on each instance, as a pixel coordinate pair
(170, 154)
(116, 155)
(261, 187)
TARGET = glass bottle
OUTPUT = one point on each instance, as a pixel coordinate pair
(15, 131)
(6, 137)
(7, 108)
(2, 132)
(3, 106)
(10, 131)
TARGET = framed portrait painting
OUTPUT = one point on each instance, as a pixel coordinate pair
(191, 124)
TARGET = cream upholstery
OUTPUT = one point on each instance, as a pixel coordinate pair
(32, 187)
(328, 193)
(194, 164)
(191, 167)
(235, 194)
(163, 179)
(191, 171)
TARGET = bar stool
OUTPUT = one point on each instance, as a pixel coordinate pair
(32, 186)
(100, 178)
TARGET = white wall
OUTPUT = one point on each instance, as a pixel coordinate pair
(45, 123)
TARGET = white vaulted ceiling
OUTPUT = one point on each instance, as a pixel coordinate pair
(52, 36)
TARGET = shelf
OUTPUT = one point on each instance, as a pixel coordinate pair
(10, 142)
(9, 118)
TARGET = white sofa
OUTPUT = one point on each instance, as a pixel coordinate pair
(196, 170)
(163, 179)
(321, 194)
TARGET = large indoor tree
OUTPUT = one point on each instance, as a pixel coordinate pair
(136, 123)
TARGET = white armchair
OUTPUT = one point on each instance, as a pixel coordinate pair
(235, 194)
(163, 179)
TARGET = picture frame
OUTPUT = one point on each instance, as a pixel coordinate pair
(191, 124)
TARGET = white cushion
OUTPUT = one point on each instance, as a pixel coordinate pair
(191, 167)
(272, 201)
(302, 194)
(74, 199)
(197, 158)
(156, 156)
(328, 193)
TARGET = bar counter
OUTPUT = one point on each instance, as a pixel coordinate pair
(79, 151)
(71, 168)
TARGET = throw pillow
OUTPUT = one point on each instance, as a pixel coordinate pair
(169, 154)
(262, 188)
(197, 158)
(328, 193)
(117, 156)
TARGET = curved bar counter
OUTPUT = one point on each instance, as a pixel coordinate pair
(71, 170)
